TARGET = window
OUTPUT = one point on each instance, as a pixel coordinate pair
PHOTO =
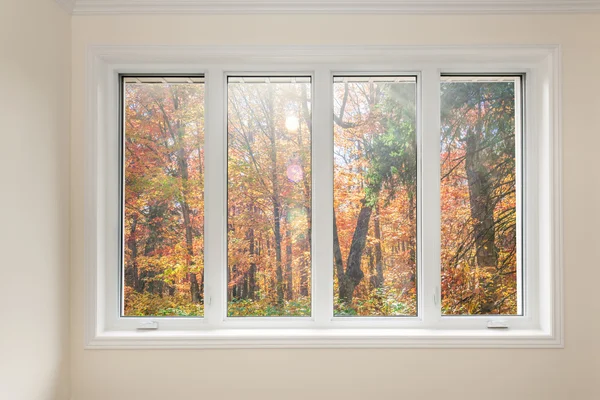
(338, 198)
(480, 172)
(375, 195)
(269, 196)
(163, 207)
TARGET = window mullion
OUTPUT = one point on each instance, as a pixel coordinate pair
(322, 199)
(215, 199)
(429, 204)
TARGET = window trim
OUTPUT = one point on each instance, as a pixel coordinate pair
(541, 327)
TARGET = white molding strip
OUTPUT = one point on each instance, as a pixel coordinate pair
(67, 5)
(108, 7)
(331, 339)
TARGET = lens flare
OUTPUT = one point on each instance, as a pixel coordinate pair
(292, 123)
(294, 173)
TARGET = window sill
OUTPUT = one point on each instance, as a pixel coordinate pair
(325, 338)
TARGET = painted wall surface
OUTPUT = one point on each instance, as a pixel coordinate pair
(451, 374)
(35, 73)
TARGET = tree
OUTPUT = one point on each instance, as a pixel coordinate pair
(478, 166)
(377, 148)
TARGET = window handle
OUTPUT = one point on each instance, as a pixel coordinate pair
(497, 325)
(148, 325)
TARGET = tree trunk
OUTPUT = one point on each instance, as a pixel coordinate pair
(244, 287)
(252, 269)
(353, 274)
(131, 270)
(278, 260)
(378, 253)
(234, 286)
(412, 244)
(146, 277)
(481, 206)
(185, 211)
(482, 213)
(194, 287)
(304, 270)
(276, 198)
(359, 239)
(289, 278)
(339, 261)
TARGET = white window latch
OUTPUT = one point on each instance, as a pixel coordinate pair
(148, 325)
(497, 325)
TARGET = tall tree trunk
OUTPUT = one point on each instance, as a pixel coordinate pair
(351, 277)
(482, 211)
(359, 239)
(289, 278)
(131, 270)
(146, 280)
(252, 269)
(230, 271)
(276, 198)
(252, 282)
(412, 244)
(378, 253)
(278, 260)
(185, 209)
(481, 206)
(234, 286)
(194, 287)
(304, 270)
(371, 266)
(338, 259)
(244, 287)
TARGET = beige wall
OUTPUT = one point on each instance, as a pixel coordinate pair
(520, 374)
(34, 200)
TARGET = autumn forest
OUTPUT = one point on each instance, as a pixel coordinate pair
(376, 196)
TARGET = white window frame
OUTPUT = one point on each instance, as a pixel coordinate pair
(541, 325)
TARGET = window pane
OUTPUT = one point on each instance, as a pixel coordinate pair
(163, 196)
(480, 122)
(269, 196)
(375, 196)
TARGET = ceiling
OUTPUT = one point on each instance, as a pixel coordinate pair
(95, 7)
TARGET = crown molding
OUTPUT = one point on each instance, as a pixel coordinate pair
(67, 5)
(112, 7)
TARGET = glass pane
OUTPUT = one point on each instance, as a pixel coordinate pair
(163, 196)
(479, 126)
(375, 196)
(269, 196)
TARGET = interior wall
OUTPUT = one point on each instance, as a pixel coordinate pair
(493, 374)
(34, 200)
